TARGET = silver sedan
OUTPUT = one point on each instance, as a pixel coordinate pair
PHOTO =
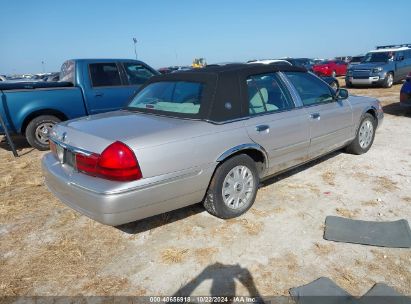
(208, 135)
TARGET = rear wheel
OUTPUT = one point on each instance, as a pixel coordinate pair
(365, 136)
(388, 80)
(37, 131)
(233, 188)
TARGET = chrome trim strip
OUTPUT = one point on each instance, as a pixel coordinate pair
(71, 148)
(241, 147)
(294, 94)
(153, 183)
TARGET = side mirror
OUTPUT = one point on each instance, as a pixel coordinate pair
(342, 94)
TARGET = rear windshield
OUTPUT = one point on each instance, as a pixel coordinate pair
(182, 97)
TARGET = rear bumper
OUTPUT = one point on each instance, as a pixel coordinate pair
(130, 204)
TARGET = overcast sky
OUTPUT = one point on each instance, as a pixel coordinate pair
(176, 32)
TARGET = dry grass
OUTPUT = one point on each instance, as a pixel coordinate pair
(205, 255)
(106, 286)
(173, 255)
(347, 213)
(384, 184)
(323, 249)
(251, 227)
(329, 178)
(370, 203)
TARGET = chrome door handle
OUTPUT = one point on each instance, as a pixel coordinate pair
(315, 116)
(261, 128)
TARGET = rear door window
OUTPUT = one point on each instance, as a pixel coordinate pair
(137, 74)
(104, 74)
(267, 94)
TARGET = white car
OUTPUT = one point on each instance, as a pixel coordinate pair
(270, 61)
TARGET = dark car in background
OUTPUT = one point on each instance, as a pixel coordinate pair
(405, 94)
(302, 62)
(355, 60)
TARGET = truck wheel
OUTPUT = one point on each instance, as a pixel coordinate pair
(233, 188)
(365, 136)
(37, 131)
(389, 80)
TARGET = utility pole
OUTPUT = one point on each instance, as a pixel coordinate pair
(43, 66)
(135, 46)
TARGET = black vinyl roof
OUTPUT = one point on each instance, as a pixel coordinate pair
(234, 69)
(225, 93)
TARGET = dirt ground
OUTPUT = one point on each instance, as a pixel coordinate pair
(48, 249)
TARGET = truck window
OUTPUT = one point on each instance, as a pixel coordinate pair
(104, 75)
(137, 73)
(67, 71)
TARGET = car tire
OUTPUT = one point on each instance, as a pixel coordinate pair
(239, 178)
(388, 80)
(37, 131)
(363, 139)
(333, 74)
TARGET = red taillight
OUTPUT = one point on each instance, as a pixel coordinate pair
(87, 163)
(117, 162)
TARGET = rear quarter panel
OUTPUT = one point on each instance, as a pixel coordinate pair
(16, 105)
(201, 149)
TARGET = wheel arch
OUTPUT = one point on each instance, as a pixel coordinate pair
(60, 115)
(253, 150)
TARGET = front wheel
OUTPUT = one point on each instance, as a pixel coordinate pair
(388, 80)
(37, 131)
(233, 188)
(365, 136)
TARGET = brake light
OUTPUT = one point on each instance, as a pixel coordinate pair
(87, 163)
(116, 162)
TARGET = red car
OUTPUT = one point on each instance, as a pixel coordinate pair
(330, 68)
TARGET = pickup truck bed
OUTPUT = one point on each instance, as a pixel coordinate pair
(88, 86)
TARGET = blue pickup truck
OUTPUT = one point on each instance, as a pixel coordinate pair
(86, 87)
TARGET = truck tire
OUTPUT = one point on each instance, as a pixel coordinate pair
(37, 131)
(388, 80)
(364, 137)
(233, 187)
